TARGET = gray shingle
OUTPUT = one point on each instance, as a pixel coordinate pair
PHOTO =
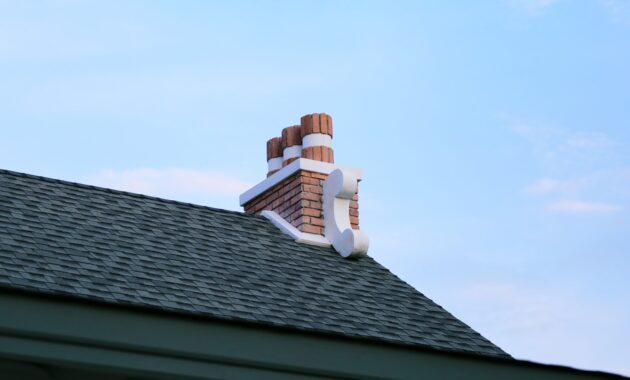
(66, 238)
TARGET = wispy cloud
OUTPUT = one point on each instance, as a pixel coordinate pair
(582, 207)
(567, 194)
(544, 186)
(619, 10)
(555, 145)
(589, 140)
(585, 166)
(170, 182)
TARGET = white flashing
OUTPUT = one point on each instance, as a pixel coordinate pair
(274, 164)
(317, 139)
(292, 152)
(297, 235)
(280, 175)
(339, 188)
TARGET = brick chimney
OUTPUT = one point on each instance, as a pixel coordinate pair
(302, 195)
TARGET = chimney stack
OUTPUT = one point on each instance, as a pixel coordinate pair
(274, 155)
(317, 136)
(291, 144)
(305, 194)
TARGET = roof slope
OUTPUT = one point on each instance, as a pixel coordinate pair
(65, 238)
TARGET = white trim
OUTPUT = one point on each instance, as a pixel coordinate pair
(339, 188)
(280, 175)
(297, 235)
(317, 139)
(292, 151)
(274, 164)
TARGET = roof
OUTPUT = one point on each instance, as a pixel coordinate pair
(69, 239)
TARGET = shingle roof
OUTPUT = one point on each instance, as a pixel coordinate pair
(66, 238)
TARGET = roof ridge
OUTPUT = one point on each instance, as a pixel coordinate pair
(122, 192)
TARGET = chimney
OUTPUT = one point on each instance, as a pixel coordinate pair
(291, 144)
(305, 194)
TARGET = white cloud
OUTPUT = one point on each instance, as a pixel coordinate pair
(543, 186)
(568, 195)
(583, 166)
(594, 140)
(582, 207)
(565, 187)
(557, 147)
(170, 182)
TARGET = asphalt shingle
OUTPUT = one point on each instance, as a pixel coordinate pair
(65, 238)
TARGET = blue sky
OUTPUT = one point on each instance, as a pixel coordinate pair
(494, 136)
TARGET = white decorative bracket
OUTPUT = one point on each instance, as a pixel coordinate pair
(339, 188)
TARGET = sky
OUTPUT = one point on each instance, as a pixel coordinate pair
(494, 136)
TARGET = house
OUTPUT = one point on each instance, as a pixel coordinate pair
(104, 284)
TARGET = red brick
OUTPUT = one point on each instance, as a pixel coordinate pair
(319, 175)
(291, 136)
(312, 212)
(277, 203)
(317, 205)
(316, 123)
(330, 126)
(323, 123)
(285, 214)
(303, 220)
(307, 153)
(317, 222)
(306, 123)
(287, 197)
(298, 199)
(313, 189)
(317, 153)
(295, 215)
(291, 182)
(274, 148)
(312, 197)
(288, 161)
(311, 181)
(312, 229)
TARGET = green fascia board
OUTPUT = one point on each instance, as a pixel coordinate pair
(132, 341)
